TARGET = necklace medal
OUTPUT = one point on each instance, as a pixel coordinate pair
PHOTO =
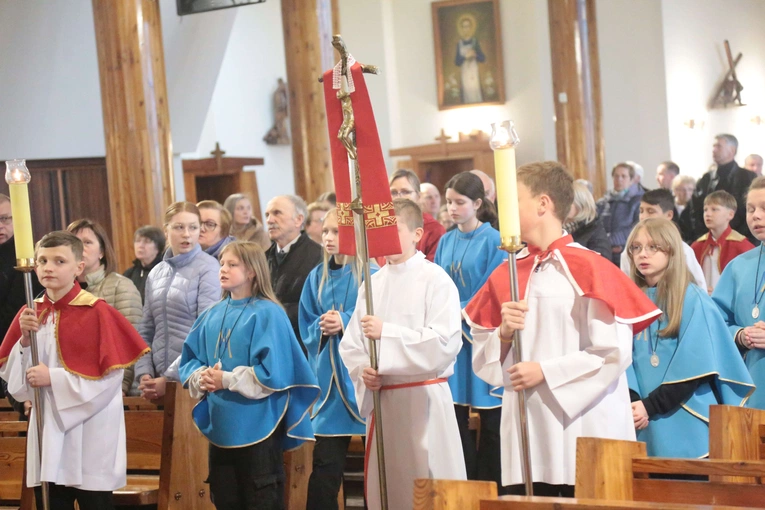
(654, 360)
(755, 312)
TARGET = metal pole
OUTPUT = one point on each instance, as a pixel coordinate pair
(37, 406)
(518, 357)
(362, 250)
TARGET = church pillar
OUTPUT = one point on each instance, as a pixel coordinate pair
(308, 47)
(131, 67)
(576, 90)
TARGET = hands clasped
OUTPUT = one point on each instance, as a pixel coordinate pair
(753, 337)
(331, 323)
(211, 379)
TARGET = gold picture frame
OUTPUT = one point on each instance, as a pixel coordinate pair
(468, 48)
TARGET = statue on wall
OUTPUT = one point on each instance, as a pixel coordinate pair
(278, 134)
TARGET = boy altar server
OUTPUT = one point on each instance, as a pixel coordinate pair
(418, 327)
(577, 315)
(83, 345)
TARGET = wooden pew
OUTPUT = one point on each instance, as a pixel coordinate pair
(432, 494)
(13, 490)
(736, 433)
(166, 454)
(619, 470)
(541, 503)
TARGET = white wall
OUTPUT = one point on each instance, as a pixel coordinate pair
(631, 51)
(50, 99)
(694, 31)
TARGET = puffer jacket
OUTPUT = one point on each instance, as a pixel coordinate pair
(619, 212)
(122, 295)
(177, 291)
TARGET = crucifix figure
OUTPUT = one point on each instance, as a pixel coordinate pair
(443, 138)
(730, 89)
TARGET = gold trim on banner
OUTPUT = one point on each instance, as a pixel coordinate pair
(379, 215)
(344, 214)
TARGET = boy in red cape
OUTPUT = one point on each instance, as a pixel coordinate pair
(577, 314)
(83, 344)
(721, 244)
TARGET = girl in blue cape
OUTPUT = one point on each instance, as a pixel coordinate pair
(739, 294)
(684, 362)
(326, 306)
(469, 254)
(242, 360)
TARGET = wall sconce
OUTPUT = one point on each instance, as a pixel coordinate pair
(759, 121)
(694, 124)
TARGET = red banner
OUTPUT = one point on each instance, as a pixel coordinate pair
(379, 216)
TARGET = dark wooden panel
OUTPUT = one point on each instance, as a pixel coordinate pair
(86, 192)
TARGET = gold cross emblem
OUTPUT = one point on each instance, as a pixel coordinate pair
(379, 215)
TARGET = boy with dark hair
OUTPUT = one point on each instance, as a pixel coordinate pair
(659, 203)
(83, 345)
(418, 331)
(721, 244)
(578, 314)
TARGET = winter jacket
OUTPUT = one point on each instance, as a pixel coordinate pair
(177, 291)
(592, 236)
(139, 273)
(122, 295)
(254, 232)
(619, 212)
(215, 249)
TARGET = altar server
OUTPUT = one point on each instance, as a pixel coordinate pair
(417, 328)
(242, 360)
(84, 344)
(739, 295)
(685, 361)
(576, 315)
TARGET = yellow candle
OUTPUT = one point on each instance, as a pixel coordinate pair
(22, 221)
(507, 193)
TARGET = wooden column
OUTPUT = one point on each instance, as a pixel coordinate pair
(576, 90)
(131, 66)
(309, 52)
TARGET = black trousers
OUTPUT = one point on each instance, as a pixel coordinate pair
(484, 462)
(63, 498)
(248, 478)
(327, 476)
(542, 489)
(467, 439)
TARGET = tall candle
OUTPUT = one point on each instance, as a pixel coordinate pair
(17, 176)
(503, 142)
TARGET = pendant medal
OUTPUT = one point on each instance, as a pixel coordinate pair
(755, 312)
(654, 360)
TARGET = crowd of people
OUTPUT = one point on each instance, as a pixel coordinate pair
(266, 324)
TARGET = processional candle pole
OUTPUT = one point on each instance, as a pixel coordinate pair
(503, 142)
(17, 176)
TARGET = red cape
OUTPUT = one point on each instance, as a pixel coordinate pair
(590, 274)
(92, 337)
(432, 232)
(731, 243)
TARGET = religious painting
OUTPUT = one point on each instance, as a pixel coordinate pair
(185, 7)
(468, 46)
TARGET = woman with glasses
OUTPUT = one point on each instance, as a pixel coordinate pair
(405, 184)
(183, 285)
(685, 361)
(214, 227)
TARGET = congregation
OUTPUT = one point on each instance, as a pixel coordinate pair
(265, 324)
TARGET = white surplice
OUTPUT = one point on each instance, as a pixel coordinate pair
(584, 353)
(84, 431)
(421, 337)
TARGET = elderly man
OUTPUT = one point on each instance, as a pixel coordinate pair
(666, 173)
(753, 163)
(430, 199)
(292, 254)
(728, 176)
(489, 189)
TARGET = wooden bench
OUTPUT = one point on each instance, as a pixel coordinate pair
(736, 433)
(13, 492)
(541, 503)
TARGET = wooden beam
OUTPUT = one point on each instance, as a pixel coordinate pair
(309, 52)
(131, 67)
(576, 90)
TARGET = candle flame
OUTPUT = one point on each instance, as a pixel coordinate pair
(17, 172)
(503, 135)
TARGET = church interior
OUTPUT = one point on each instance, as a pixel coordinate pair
(122, 107)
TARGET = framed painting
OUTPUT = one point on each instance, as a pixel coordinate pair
(468, 45)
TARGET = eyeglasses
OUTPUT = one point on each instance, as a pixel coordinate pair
(180, 228)
(651, 249)
(209, 225)
(5, 220)
(402, 193)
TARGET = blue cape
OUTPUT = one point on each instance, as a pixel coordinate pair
(469, 259)
(262, 339)
(702, 348)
